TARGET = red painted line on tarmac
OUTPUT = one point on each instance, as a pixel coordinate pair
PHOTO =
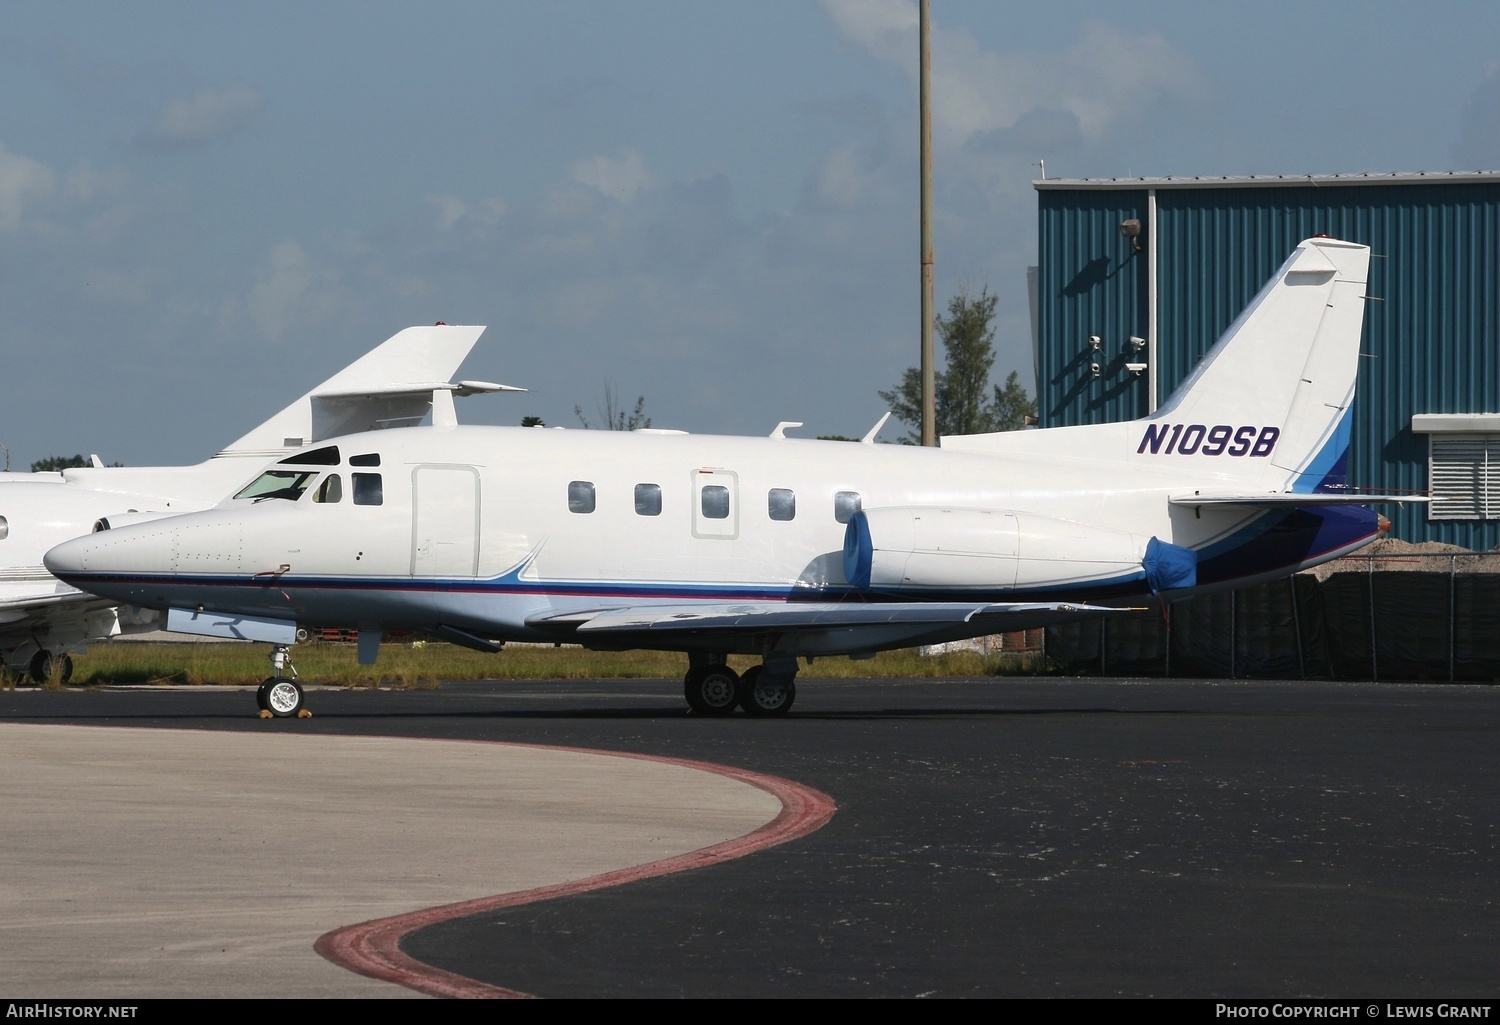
(373, 948)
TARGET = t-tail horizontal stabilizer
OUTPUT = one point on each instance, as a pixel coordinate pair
(392, 385)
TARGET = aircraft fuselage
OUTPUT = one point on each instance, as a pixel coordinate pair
(492, 530)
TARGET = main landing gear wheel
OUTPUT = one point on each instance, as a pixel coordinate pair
(711, 690)
(45, 666)
(280, 696)
(765, 695)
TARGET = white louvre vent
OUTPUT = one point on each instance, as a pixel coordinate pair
(1464, 472)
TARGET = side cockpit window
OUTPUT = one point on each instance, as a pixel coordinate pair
(284, 484)
(331, 491)
(326, 456)
(368, 489)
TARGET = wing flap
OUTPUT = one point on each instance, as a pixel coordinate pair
(785, 617)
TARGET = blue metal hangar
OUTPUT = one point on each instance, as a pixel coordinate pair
(1137, 278)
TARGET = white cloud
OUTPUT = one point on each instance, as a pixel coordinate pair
(85, 184)
(210, 115)
(580, 304)
(451, 210)
(886, 28)
(618, 178)
(1478, 146)
(1108, 78)
(22, 180)
(847, 177)
(291, 291)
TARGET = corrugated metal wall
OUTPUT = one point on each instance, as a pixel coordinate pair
(1090, 281)
(1433, 337)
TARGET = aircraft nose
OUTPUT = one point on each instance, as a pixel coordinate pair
(69, 558)
(146, 548)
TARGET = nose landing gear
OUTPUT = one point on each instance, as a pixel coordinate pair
(280, 696)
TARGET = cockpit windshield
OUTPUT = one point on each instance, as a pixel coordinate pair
(288, 484)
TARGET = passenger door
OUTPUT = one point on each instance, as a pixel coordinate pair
(445, 521)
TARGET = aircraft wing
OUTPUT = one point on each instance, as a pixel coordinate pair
(12, 609)
(27, 588)
(1279, 499)
(766, 617)
(64, 616)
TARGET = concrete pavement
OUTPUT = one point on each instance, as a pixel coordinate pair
(167, 863)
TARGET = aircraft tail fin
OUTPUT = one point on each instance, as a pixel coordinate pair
(391, 385)
(1276, 389)
(1268, 407)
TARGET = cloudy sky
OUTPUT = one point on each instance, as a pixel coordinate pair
(207, 208)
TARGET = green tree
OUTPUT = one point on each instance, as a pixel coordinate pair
(965, 403)
(58, 463)
(613, 416)
(1012, 406)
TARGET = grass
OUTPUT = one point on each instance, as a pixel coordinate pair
(403, 665)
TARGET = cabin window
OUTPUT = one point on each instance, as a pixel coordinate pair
(580, 496)
(368, 459)
(715, 502)
(845, 505)
(328, 456)
(4, 528)
(781, 503)
(331, 491)
(648, 499)
(287, 484)
(368, 489)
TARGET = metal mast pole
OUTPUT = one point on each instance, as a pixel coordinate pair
(929, 389)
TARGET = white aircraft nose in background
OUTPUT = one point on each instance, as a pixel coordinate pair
(43, 620)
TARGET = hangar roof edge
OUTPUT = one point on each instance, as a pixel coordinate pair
(1274, 180)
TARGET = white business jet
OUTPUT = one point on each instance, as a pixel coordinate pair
(780, 547)
(42, 619)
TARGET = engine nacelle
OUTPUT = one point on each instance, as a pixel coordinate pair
(125, 519)
(983, 549)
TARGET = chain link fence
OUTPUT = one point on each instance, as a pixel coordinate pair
(1384, 616)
